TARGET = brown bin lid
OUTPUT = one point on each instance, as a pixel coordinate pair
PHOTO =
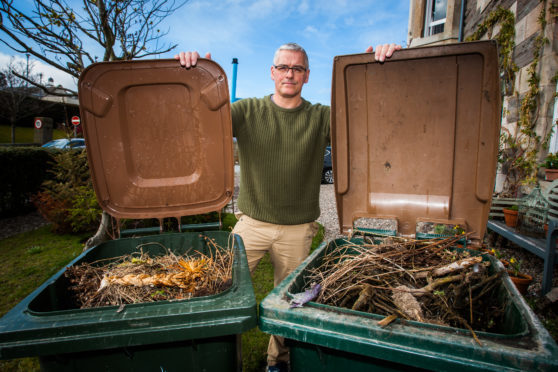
(416, 138)
(159, 137)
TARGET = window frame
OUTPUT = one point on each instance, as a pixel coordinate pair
(429, 25)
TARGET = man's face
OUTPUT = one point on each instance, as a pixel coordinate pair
(288, 84)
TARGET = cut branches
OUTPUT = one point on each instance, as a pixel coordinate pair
(423, 280)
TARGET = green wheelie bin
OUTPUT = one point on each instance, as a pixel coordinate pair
(414, 140)
(159, 145)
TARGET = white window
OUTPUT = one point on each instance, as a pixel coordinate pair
(435, 17)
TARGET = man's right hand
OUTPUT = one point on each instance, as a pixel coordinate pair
(189, 59)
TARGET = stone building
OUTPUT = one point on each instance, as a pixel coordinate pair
(532, 76)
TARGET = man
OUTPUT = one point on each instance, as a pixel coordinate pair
(281, 143)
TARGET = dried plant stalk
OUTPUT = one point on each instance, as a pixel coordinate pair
(184, 275)
(140, 278)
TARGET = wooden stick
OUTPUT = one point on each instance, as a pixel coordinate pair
(453, 267)
(387, 320)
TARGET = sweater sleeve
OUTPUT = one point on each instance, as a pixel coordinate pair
(327, 119)
(237, 116)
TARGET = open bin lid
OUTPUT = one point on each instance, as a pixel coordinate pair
(416, 137)
(159, 137)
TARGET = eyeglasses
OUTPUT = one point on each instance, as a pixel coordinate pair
(283, 69)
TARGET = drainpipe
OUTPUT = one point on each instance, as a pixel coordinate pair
(235, 66)
(554, 139)
(461, 18)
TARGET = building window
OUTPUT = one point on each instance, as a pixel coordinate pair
(435, 17)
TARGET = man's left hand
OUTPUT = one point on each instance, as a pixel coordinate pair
(383, 51)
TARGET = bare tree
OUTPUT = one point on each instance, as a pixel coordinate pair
(17, 97)
(71, 37)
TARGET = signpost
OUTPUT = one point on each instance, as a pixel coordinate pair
(75, 122)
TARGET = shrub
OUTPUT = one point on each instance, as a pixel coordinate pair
(551, 161)
(68, 200)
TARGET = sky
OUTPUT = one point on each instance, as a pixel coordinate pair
(251, 31)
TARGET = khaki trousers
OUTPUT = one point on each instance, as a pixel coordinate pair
(288, 246)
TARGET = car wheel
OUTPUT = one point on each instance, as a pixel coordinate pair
(328, 176)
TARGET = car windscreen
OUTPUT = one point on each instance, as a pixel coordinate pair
(59, 143)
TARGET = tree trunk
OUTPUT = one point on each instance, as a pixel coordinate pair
(102, 234)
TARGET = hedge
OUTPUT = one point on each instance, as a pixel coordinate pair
(22, 171)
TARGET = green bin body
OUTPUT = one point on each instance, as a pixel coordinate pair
(199, 334)
(327, 338)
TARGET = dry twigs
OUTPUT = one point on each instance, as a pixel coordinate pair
(140, 278)
(423, 280)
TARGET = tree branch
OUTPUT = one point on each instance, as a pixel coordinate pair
(48, 90)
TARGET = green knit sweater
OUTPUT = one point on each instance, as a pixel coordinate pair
(281, 154)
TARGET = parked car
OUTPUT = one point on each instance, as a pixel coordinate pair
(66, 144)
(327, 172)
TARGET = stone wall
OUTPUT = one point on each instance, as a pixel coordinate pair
(527, 29)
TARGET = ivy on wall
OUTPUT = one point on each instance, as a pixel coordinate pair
(506, 42)
(519, 147)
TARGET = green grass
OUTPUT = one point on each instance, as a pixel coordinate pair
(254, 342)
(28, 259)
(24, 135)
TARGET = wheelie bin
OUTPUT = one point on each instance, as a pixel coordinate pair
(415, 139)
(159, 145)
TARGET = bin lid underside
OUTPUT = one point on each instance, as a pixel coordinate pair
(159, 137)
(416, 138)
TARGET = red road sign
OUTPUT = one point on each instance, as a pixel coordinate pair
(75, 120)
(38, 123)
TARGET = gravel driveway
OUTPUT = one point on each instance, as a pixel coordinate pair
(328, 216)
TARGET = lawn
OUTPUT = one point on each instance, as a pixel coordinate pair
(28, 259)
(24, 135)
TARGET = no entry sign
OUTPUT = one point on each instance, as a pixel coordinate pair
(75, 120)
